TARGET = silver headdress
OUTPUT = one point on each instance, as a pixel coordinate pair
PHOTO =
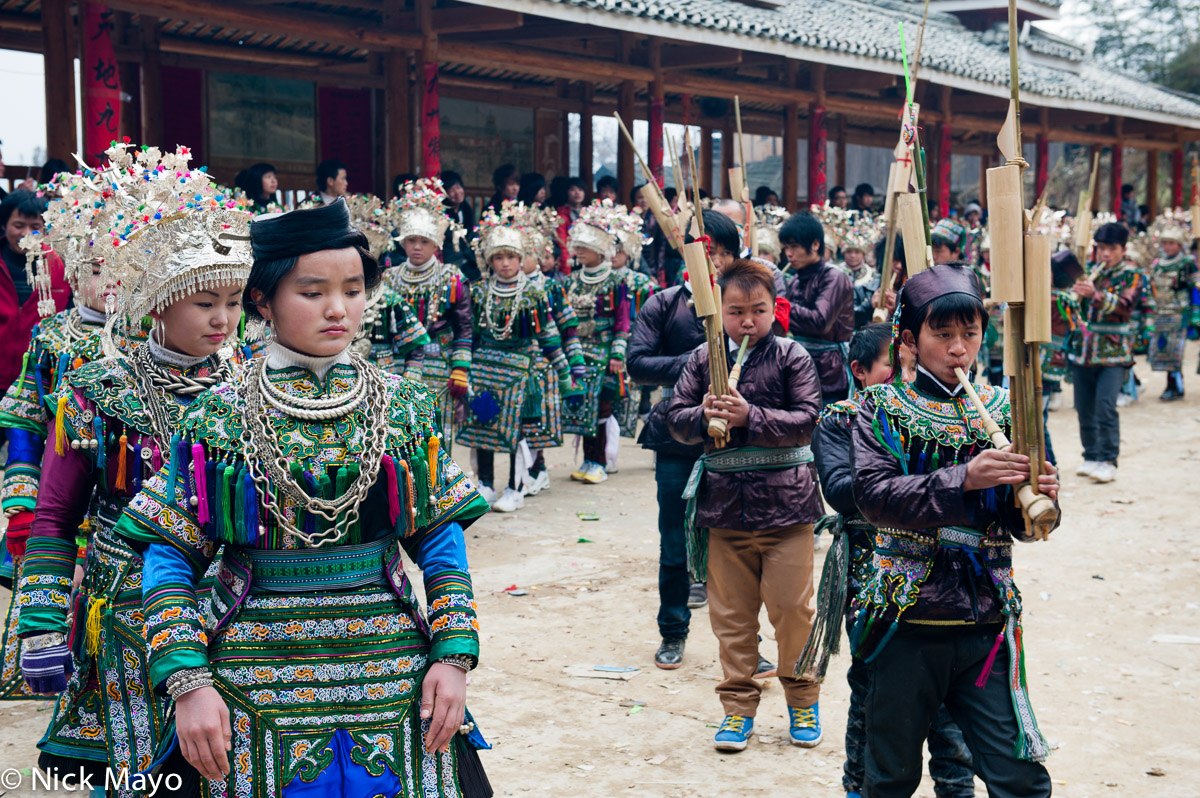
(541, 226)
(594, 229)
(374, 219)
(421, 211)
(173, 233)
(501, 231)
(627, 226)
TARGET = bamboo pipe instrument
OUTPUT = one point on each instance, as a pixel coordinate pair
(719, 427)
(655, 199)
(1037, 506)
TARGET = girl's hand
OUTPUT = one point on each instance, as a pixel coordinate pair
(443, 704)
(615, 365)
(205, 737)
(1048, 481)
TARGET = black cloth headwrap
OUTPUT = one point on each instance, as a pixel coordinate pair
(299, 232)
(946, 278)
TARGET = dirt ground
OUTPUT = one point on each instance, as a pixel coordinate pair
(1112, 630)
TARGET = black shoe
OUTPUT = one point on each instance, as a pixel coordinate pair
(1171, 394)
(765, 669)
(670, 654)
(697, 596)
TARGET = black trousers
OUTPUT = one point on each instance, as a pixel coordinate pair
(918, 670)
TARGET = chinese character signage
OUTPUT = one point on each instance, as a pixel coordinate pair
(102, 87)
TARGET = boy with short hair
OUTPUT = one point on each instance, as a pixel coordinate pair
(822, 300)
(949, 238)
(950, 762)
(758, 500)
(939, 616)
(1109, 297)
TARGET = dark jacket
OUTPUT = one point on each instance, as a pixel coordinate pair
(665, 332)
(833, 457)
(780, 383)
(822, 300)
(957, 591)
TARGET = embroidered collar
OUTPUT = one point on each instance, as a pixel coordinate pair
(931, 385)
(281, 357)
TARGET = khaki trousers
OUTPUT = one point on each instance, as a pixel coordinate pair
(746, 570)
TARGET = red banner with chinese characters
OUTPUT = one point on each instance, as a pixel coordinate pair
(817, 136)
(101, 84)
(656, 140)
(431, 124)
(945, 156)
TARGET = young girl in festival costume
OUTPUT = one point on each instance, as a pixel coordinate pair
(639, 287)
(939, 617)
(856, 243)
(392, 336)
(757, 498)
(436, 293)
(59, 343)
(600, 298)
(545, 389)
(1174, 276)
(513, 324)
(177, 252)
(312, 666)
(847, 568)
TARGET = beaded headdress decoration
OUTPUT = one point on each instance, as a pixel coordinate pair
(628, 227)
(375, 220)
(172, 233)
(767, 221)
(837, 222)
(73, 218)
(421, 211)
(501, 231)
(594, 229)
(541, 225)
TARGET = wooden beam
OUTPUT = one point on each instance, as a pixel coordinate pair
(706, 159)
(624, 151)
(791, 144)
(840, 166)
(475, 19)
(727, 155)
(854, 79)
(1152, 183)
(58, 38)
(397, 110)
(585, 141)
(543, 32)
(705, 56)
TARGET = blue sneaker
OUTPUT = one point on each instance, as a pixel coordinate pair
(734, 733)
(806, 726)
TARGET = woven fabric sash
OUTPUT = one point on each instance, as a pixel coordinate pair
(318, 570)
(728, 461)
(1110, 329)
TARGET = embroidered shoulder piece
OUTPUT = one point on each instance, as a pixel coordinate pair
(846, 408)
(952, 423)
(110, 388)
(56, 346)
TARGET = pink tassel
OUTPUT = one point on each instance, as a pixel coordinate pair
(156, 459)
(201, 483)
(389, 467)
(982, 681)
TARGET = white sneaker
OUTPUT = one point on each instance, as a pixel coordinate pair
(1125, 400)
(511, 500)
(1104, 472)
(541, 483)
(1086, 468)
(488, 494)
(1056, 401)
(595, 474)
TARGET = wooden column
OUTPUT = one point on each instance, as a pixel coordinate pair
(58, 49)
(658, 93)
(840, 143)
(984, 163)
(397, 106)
(817, 138)
(791, 146)
(706, 160)
(562, 90)
(1093, 150)
(728, 147)
(1177, 177)
(1152, 184)
(945, 153)
(625, 97)
(151, 88)
(585, 141)
(428, 81)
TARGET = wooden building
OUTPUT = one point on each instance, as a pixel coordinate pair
(295, 82)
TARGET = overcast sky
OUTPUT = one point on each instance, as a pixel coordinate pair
(23, 127)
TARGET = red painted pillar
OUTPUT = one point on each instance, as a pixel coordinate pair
(431, 125)
(945, 154)
(1177, 178)
(656, 140)
(1042, 172)
(1117, 157)
(817, 136)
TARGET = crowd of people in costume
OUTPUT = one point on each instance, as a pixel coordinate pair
(231, 421)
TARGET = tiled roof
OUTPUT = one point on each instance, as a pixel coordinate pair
(868, 29)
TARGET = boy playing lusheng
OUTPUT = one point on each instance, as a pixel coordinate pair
(939, 616)
(1102, 354)
(758, 501)
(949, 760)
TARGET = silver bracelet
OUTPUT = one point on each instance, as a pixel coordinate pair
(464, 661)
(185, 681)
(47, 640)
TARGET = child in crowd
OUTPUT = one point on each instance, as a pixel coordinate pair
(1175, 277)
(757, 499)
(1109, 297)
(950, 761)
(939, 604)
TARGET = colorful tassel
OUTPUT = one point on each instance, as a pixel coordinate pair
(122, 462)
(95, 620)
(310, 519)
(411, 519)
(24, 368)
(173, 467)
(101, 451)
(64, 360)
(434, 445)
(227, 496)
(239, 506)
(60, 427)
(200, 474)
(251, 510)
(982, 681)
(393, 489)
(137, 467)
